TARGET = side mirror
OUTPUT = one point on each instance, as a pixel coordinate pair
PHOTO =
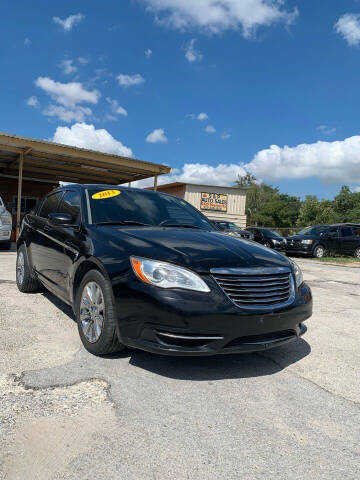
(60, 219)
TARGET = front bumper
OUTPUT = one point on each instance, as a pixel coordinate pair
(179, 322)
(5, 233)
(299, 249)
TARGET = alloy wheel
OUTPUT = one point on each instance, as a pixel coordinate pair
(92, 311)
(357, 253)
(319, 252)
(20, 268)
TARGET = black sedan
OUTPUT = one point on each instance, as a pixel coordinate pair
(268, 237)
(147, 270)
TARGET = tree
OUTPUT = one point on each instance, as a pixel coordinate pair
(265, 206)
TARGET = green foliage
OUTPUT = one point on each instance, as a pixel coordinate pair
(266, 207)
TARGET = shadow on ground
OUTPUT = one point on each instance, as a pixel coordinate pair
(221, 366)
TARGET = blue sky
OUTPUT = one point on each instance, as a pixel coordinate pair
(222, 81)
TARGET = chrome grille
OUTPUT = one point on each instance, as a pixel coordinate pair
(264, 289)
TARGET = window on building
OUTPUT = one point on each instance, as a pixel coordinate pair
(27, 204)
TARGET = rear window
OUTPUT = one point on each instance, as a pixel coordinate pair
(145, 207)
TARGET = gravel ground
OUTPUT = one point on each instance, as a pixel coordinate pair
(292, 412)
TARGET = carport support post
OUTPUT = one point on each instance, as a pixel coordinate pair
(155, 182)
(18, 208)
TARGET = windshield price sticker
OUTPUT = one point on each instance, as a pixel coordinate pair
(105, 194)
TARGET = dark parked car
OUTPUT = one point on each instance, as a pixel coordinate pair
(310, 241)
(232, 229)
(318, 241)
(145, 269)
(268, 237)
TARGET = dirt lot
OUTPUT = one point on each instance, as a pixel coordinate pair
(292, 412)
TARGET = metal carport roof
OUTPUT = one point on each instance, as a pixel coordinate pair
(39, 159)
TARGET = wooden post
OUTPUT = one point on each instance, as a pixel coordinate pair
(155, 182)
(18, 208)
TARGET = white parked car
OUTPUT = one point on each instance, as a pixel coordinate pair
(5, 226)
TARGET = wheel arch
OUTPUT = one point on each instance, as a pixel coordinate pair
(83, 267)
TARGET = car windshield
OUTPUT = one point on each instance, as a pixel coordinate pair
(143, 208)
(271, 233)
(228, 226)
(312, 231)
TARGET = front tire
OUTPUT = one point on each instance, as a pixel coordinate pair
(25, 280)
(267, 244)
(357, 253)
(96, 315)
(319, 251)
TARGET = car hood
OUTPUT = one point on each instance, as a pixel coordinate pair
(198, 250)
(302, 237)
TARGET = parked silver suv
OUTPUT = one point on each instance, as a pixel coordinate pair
(5, 226)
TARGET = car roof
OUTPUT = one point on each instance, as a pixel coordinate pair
(83, 187)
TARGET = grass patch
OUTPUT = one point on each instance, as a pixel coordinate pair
(340, 260)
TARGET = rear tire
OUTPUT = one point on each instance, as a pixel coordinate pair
(96, 315)
(357, 253)
(319, 251)
(25, 280)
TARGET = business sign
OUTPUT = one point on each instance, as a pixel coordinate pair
(214, 201)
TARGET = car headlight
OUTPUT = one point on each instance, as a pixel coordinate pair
(166, 275)
(5, 220)
(307, 242)
(297, 273)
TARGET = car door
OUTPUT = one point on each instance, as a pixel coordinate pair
(44, 251)
(70, 238)
(347, 240)
(331, 240)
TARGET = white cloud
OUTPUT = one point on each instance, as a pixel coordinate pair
(348, 26)
(356, 189)
(68, 115)
(331, 162)
(191, 54)
(116, 108)
(210, 129)
(67, 66)
(86, 136)
(225, 136)
(130, 80)
(27, 42)
(201, 173)
(148, 53)
(198, 116)
(33, 102)
(83, 60)
(67, 94)
(157, 136)
(326, 130)
(216, 16)
(68, 23)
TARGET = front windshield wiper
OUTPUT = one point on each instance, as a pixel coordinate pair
(185, 225)
(125, 222)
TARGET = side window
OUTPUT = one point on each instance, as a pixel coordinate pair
(70, 204)
(50, 205)
(346, 232)
(333, 232)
